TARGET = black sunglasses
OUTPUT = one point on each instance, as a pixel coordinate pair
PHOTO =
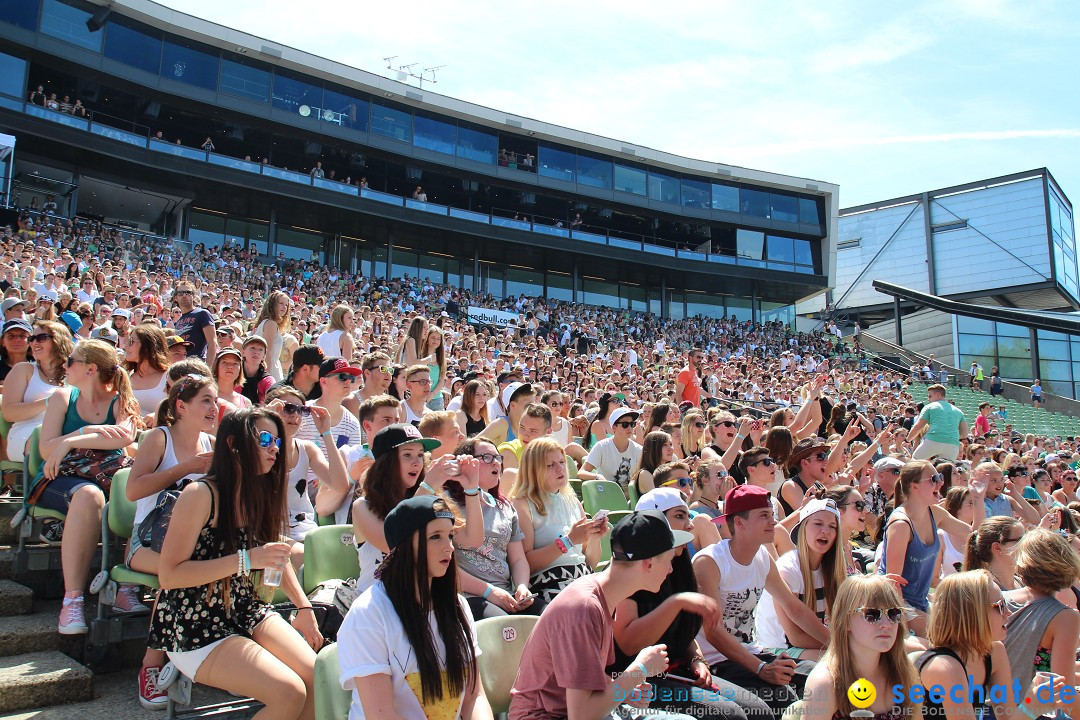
(725, 423)
(294, 409)
(624, 424)
(860, 505)
(40, 337)
(767, 462)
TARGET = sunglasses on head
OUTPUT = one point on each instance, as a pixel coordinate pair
(294, 409)
(267, 439)
(874, 615)
(683, 482)
(1018, 473)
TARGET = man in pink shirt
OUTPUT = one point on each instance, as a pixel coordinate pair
(982, 422)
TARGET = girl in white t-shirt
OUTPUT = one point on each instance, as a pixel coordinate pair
(407, 647)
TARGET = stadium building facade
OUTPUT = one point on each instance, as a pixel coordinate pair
(205, 133)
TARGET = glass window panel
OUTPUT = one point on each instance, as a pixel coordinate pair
(22, 13)
(405, 263)
(739, 308)
(559, 287)
(12, 75)
(1013, 347)
(677, 306)
(494, 283)
(556, 163)
(781, 249)
(1005, 329)
(631, 180)
(477, 145)
(804, 254)
(1054, 370)
(593, 171)
(974, 325)
(296, 94)
(380, 262)
(784, 207)
(187, 62)
(1016, 368)
(524, 282)
(433, 134)
(725, 197)
(139, 47)
(808, 211)
(600, 293)
(634, 298)
(431, 268)
(976, 344)
(391, 122)
(754, 203)
(69, 24)
(663, 188)
(344, 107)
(1053, 350)
(244, 78)
(749, 244)
(207, 229)
(299, 245)
(697, 304)
(695, 194)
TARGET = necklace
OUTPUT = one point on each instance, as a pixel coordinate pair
(709, 503)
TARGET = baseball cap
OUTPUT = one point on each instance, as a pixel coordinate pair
(17, 325)
(887, 463)
(645, 534)
(10, 303)
(105, 333)
(744, 498)
(513, 389)
(47, 295)
(396, 435)
(255, 339)
(333, 365)
(662, 499)
(621, 413)
(122, 312)
(308, 355)
(505, 376)
(815, 506)
(173, 340)
(72, 320)
(411, 515)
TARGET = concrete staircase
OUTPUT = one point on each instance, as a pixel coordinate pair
(38, 666)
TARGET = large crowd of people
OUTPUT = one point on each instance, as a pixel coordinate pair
(798, 521)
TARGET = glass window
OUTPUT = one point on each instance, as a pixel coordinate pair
(593, 171)
(559, 287)
(663, 188)
(634, 298)
(749, 246)
(725, 197)
(494, 283)
(1012, 330)
(739, 308)
(974, 325)
(808, 211)
(524, 283)
(137, 46)
(804, 253)
(300, 245)
(294, 93)
(781, 249)
(69, 24)
(698, 304)
(1009, 367)
(1053, 350)
(600, 293)
(1013, 347)
(23, 13)
(976, 344)
(695, 194)
(477, 145)
(187, 62)
(754, 203)
(391, 122)
(405, 263)
(677, 306)
(245, 78)
(784, 207)
(431, 268)
(12, 75)
(556, 163)
(433, 134)
(346, 108)
(631, 180)
(207, 229)
(1054, 370)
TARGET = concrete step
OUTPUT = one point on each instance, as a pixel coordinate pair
(42, 679)
(8, 508)
(21, 634)
(15, 599)
(7, 559)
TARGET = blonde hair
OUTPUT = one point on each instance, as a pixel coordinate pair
(687, 421)
(833, 568)
(266, 312)
(1046, 562)
(110, 373)
(435, 422)
(532, 473)
(958, 615)
(866, 591)
(337, 318)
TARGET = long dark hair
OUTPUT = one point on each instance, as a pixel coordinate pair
(404, 575)
(382, 484)
(453, 488)
(262, 499)
(681, 633)
(603, 412)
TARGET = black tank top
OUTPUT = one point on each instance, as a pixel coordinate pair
(473, 427)
(935, 710)
(780, 496)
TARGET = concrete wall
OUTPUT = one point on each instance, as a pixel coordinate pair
(925, 332)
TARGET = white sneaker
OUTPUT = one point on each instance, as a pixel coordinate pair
(127, 600)
(72, 621)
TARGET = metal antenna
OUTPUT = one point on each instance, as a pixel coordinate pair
(405, 71)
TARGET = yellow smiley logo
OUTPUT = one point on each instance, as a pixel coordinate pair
(862, 693)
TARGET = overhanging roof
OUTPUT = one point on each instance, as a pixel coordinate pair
(1040, 320)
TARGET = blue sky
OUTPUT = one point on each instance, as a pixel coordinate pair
(885, 99)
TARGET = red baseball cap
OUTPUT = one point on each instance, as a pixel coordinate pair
(744, 498)
(334, 365)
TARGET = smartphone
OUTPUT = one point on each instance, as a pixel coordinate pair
(600, 517)
(818, 486)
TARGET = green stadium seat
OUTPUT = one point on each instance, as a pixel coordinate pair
(602, 494)
(329, 552)
(331, 700)
(501, 641)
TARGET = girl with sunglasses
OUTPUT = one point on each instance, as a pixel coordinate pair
(867, 631)
(209, 618)
(712, 483)
(495, 575)
(30, 384)
(693, 433)
(677, 475)
(302, 456)
(911, 544)
(98, 412)
(1067, 492)
(967, 634)
(189, 419)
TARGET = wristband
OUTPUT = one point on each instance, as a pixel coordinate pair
(759, 667)
(740, 436)
(247, 562)
(637, 663)
(487, 592)
(1027, 713)
(306, 608)
(328, 433)
(425, 486)
(563, 543)
(474, 491)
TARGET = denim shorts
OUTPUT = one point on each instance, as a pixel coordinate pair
(58, 493)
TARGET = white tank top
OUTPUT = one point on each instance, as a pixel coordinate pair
(951, 556)
(301, 512)
(143, 506)
(330, 342)
(20, 432)
(740, 589)
(370, 558)
(150, 398)
(562, 435)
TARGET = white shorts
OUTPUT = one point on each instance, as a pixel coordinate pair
(188, 662)
(928, 449)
